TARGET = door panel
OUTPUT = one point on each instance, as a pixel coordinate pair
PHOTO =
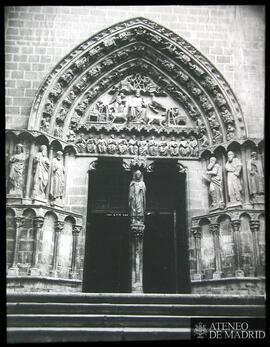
(106, 258)
(159, 258)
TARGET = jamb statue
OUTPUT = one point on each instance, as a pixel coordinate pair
(15, 179)
(41, 172)
(137, 200)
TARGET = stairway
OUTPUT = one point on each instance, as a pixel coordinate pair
(51, 317)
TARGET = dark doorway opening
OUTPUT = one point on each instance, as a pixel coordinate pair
(107, 256)
(166, 258)
(107, 249)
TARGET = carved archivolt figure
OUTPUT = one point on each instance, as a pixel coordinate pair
(112, 145)
(163, 147)
(193, 145)
(153, 147)
(91, 144)
(133, 145)
(173, 147)
(233, 168)
(41, 172)
(58, 177)
(101, 145)
(123, 145)
(214, 172)
(137, 201)
(81, 143)
(17, 163)
(255, 175)
(143, 146)
(184, 148)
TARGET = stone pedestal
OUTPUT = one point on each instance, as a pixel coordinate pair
(233, 204)
(34, 271)
(197, 277)
(73, 275)
(39, 201)
(14, 199)
(13, 271)
(239, 273)
(137, 232)
(217, 275)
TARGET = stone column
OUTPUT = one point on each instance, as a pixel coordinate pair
(236, 226)
(14, 270)
(246, 204)
(29, 172)
(214, 228)
(197, 238)
(225, 182)
(50, 174)
(137, 232)
(75, 233)
(38, 223)
(58, 228)
(254, 227)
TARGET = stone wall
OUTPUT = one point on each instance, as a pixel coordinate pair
(38, 37)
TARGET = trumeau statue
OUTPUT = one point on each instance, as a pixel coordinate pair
(233, 168)
(17, 163)
(214, 173)
(137, 202)
(41, 172)
(255, 175)
(58, 177)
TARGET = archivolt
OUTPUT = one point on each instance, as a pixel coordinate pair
(138, 45)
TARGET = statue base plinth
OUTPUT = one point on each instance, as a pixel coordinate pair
(258, 201)
(217, 275)
(73, 275)
(239, 273)
(234, 204)
(137, 288)
(40, 201)
(54, 273)
(197, 277)
(34, 271)
(57, 203)
(14, 199)
(13, 271)
(215, 208)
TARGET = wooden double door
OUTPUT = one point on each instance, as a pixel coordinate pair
(107, 263)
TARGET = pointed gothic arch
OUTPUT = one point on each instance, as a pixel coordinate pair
(138, 46)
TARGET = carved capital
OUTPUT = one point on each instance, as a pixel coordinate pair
(93, 164)
(137, 230)
(236, 224)
(181, 168)
(76, 229)
(38, 222)
(19, 221)
(254, 225)
(197, 232)
(138, 162)
(59, 226)
(214, 228)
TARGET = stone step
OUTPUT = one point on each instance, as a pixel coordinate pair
(95, 320)
(30, 335)
(135, 309)
(126, 298)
